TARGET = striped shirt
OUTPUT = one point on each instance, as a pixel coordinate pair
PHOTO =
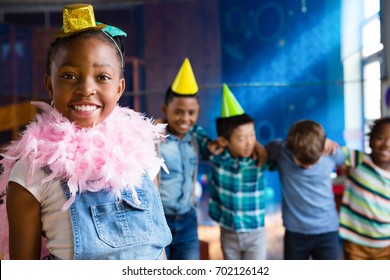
(365, 210)
(237, 200)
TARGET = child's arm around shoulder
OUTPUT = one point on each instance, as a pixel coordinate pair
(206, 145)
(353, 158)
(274, 148)
(215, 147)
(24, 216)
(333, 149)
(330, 147)
(344, 155)
(260, 153)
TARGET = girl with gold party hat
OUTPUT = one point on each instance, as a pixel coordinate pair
(82, 173)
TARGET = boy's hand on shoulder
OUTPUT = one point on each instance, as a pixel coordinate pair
(215, 147)
(260, 154)
(330, 147)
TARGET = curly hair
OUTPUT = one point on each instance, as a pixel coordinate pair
(377, 126)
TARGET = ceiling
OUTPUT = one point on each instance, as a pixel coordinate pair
(43, 5)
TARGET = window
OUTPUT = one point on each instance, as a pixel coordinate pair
(371, 64)
(371, 37)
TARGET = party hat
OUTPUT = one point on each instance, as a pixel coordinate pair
(230, 105)
(77, 18)
(185, 83)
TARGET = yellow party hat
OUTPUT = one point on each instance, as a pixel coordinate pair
(230, 105)
(185, 83)
(77, 18)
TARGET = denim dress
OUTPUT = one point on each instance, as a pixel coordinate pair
(105, 227)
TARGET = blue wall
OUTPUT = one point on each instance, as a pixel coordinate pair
(283, 65)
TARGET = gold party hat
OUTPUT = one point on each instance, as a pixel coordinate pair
(77, 18)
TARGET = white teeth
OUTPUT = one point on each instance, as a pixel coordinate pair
(85, 108)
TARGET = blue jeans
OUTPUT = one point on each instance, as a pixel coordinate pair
(298, 246)
(185, 242)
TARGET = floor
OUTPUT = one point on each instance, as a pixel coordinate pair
(211, 246)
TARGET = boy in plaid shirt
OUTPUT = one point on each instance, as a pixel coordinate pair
(237, 200)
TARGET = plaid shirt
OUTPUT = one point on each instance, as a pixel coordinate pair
(237, 200)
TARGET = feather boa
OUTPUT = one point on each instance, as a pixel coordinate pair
(112, 155)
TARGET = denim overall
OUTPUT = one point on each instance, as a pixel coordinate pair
(105, 227)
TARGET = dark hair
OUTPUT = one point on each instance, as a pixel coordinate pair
(376, 126)
(170, 94)
(306, 140)
(226, 126)
(58, 43)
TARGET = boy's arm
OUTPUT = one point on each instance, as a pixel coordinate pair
(260, 154)
(270, 154)
(273, 149)
(330, 147)
(353, 157)
(205, 144)
(350, 158)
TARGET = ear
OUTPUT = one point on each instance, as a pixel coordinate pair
(222, 141)
(121, 88)
(47, 82)
(164, 109)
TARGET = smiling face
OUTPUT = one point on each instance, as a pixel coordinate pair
(181, 113)
(85, 80)
(380, 146)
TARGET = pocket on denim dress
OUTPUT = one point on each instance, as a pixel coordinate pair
(193, 162)
(124, 222)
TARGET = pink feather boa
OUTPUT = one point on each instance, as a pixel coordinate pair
(112, 155)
